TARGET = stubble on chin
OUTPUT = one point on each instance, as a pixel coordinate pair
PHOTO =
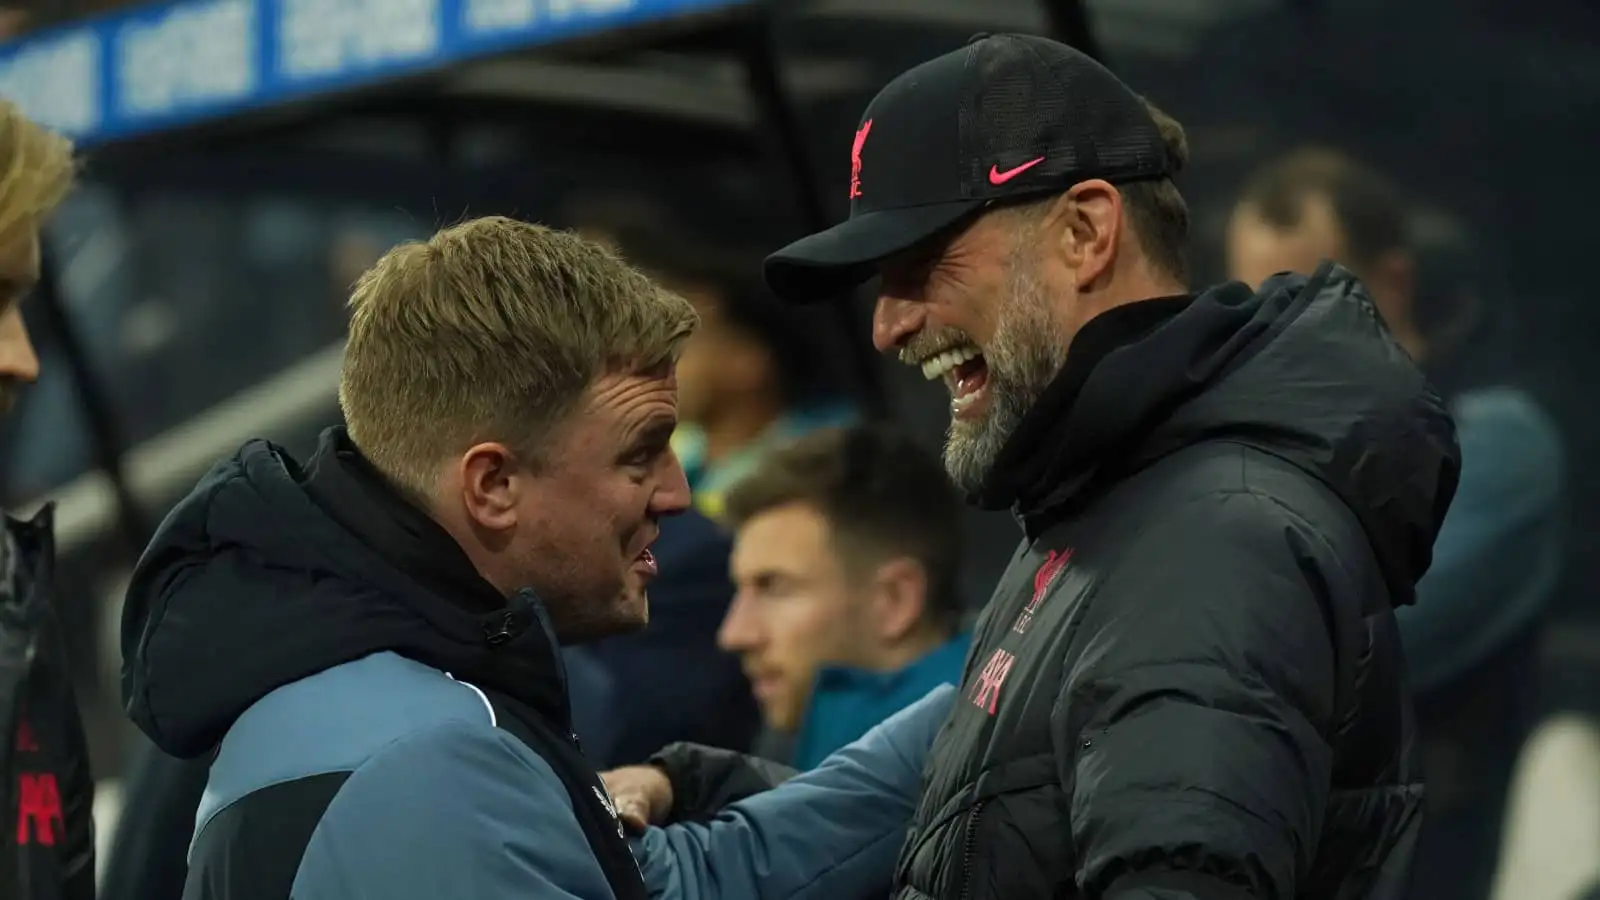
(627, 612)
(633, 609)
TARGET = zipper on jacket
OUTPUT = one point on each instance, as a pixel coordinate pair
(969, 847)
(497, 633)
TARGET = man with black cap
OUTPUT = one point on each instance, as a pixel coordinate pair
(1189, 683)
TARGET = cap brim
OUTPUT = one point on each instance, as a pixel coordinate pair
(830, 263)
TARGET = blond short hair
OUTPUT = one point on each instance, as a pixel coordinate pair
(36, 168)
(492, 330)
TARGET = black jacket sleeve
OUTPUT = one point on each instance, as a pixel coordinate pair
(61, 749)
(48, 791)
(17, 640)
(1193, 726)
(705, 779)
(150, 849)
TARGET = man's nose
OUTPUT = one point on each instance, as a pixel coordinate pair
(740, 630)
(673, 496)
(894, 320)
(17, 358)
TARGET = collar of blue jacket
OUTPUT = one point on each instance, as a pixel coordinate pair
(847, 702)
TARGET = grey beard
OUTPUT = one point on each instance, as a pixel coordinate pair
(1015, 385)
(1027, 354)
(971, 448)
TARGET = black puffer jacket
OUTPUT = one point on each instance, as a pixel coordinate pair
(46, 790)
(1189, 682)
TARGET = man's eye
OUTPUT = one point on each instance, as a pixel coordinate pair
(774, 587)
(642, 457)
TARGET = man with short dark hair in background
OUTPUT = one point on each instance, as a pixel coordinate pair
(46, 791)
(847, 549)
(1471, 640)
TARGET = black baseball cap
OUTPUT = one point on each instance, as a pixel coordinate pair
(1007, 116)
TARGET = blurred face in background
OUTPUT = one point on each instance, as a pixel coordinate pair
(1258, 249)
(13, 21)
(19, 272)
(797, 609)
(719, 363)
(352, 253)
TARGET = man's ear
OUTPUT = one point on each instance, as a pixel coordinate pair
(491, 486)
(900, 597)
(1085, 223)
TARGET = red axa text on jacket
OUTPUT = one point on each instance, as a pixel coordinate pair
(986, 693)
(1054, 562)
(38, 809)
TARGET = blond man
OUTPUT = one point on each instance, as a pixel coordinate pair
(46, 792)
(368, 641)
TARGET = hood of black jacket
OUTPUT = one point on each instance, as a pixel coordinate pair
(270, 572)
(1302, 369)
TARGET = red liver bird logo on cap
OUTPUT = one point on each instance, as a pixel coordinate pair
(855, 158)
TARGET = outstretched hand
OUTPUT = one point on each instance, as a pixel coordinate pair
(643, 795)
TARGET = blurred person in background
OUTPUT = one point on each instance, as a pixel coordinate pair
(1471, 640)
(1188, 683)
(13, 21)
(367, 645)
(758, 373)
(748, 378)
(847, 552)
(46, 789)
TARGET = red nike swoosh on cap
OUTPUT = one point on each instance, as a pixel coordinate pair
(998, 177)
